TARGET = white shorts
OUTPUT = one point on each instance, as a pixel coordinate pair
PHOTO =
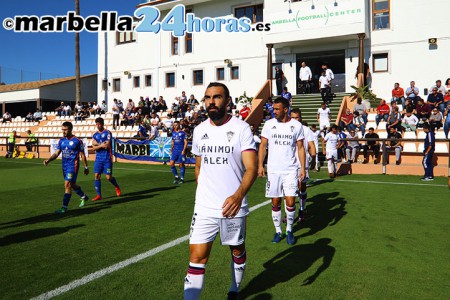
(324, 125)
(279, 185)
(205, 229)
(332, 154)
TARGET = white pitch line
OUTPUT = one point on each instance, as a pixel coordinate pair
(394, 183)
(90, 277)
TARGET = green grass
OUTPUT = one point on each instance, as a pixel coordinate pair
(363, 240)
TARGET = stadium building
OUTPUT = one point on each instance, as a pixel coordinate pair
(402, 41)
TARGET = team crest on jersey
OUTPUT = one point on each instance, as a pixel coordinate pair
(70, 143)
(205, 137)
(230, 135)
(292, 128)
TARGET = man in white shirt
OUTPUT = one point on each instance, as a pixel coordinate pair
(116, 114)
(225, 169)
(284, 137)
(316, 133)
(441, 89)
(324, 85)
(324, 117)
(311, 151)
(410, 121)
(305, 76)
(332, 140)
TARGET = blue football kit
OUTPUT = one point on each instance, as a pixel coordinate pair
(178, 138)
(70, 150)
(103, 157)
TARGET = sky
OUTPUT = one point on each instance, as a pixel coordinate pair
(51, 54)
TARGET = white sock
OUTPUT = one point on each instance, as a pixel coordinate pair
(276, 217)
(330, 167)
(193, 282)
(237, 271)
(290, 216)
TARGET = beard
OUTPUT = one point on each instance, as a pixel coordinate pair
(218, 114)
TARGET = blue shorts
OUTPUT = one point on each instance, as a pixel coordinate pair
(103, 167)
(177, 157)
(70, 175)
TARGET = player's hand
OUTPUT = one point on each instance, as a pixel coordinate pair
(261, 172)
(46, 162)
(231, 206)
(86, 171)
(302, 175)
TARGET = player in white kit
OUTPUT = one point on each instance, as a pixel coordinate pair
(324, 118)
(284, 136)
(310, 150)
(332, 140)
(225, 170)
(316, 134)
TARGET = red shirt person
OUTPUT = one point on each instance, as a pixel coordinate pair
(383, 111)
(244, 112)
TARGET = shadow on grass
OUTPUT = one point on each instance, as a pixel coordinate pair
(88, 209)
(323, 210)
(35, 234)
(289, 264)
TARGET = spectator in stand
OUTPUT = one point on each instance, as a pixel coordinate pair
(29, 117)
(189, 113)
(324, 84)
(286, 95)
(358, 122)
(279, 79)
(383, 111)
(183, 97)
(202, 113)
(79, 116)
(342, 145)
(161, 106)
(103, 107)
(141, 102)
(441, 89)
(435, 120)
(195, 120)
(346, 121)
(116, 114)
(244, 112)
(409, 106)
(237, 115)
(410, 121)
(85, 114)
(428, 152)
(78, 107)
(398, 94)
(37, 115)
(67, 110)
(394, 120)
(352, 147)
(436, 99)
(138, 116)
(423, 110)
(7, 117)
(154, 133)
(366, 73)
(124, 119)
(305, 76)
(192, 102)
(371, 145)
(142, 132)
(394, 144)
(130, 105)
(447, 84)
(166, 124)
(60, 109)
(146, 121)
(447, 121)
(154, 120)
(269, 109)
(412, 92)
(175, 109)
(30, 141)
(120, 105)
(183, 108)
(361, 109)
(446, 101)
(94, 108)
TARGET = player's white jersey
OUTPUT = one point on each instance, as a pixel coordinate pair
(222, 169)
(332, 140)
(282, 141)
(309, 137)
(316, 135)
(324, 114)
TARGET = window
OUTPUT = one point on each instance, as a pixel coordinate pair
(198, 77)
(253, 12)
(116, 85)
(234, 72)
(170, 79)
(381, 62)
(188, 42)
(174, 45)
(136, 81)
(125, 37)
(148, 80)
(104, 85)
(380, 11)
(220, 74)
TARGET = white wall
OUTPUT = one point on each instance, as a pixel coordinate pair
(16, 96)
(65, 91)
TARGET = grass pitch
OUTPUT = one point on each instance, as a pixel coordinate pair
(363, 239)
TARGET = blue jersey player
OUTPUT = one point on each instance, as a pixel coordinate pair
(103, 158)
(71, 148)
(179, 145)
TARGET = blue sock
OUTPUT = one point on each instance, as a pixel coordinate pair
(98, 187)
(114, 182)
(66, 199)
(79, 192)
(182, 172)
(174, 171)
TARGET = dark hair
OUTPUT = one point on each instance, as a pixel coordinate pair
(426, 125)
(371, 128)
(313, 126)
(218, 84)
(447, 81)
(68, 125)
(176, 122)
(284, 102)
(334, 126)
(100, 120)
(356, 113)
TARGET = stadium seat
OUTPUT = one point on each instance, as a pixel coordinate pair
(371, 117)
(371, 124)
(421, 135)
(420, 148)
(441, 147)
(382, 134)
(409, 147)
(409, 135)
(439, 135)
